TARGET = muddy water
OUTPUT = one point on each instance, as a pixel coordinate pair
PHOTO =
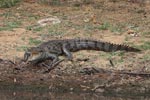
(29, 95)
(44, 94)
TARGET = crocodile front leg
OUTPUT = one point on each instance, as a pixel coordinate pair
(54, 63)
(50, 67)
(47, 56)
(55, 60)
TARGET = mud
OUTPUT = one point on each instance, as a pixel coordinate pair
(21, 76)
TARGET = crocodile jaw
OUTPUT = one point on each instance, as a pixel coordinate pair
(29, 57)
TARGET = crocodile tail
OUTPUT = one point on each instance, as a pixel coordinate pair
(110, 47)
(86, 44)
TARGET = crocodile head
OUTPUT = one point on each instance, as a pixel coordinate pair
(32, 54)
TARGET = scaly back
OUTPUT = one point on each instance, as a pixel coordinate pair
(85, 44)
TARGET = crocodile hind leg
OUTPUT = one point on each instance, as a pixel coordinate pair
(67, 52)
(69, 55)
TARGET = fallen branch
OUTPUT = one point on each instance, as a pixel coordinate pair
(135, 74)
(93, 70)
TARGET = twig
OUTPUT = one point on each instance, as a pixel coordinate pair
(52, 66)
(111, 62)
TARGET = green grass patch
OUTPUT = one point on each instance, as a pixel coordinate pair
(7, 14)
(29, 27)
(14, 24)
(146, 57)
(8, 3)
(53, 32)
(111, 27)
(145, 45)
(34, 41)
(38, 29)
(88, 27)
(111, 54)
(119, 53)
(55, 2)
(22, 48)
(35, 28)
(10, 25)
(75, 3)
(105, 26)
(146, 33)
(115, 29)
(50, 2)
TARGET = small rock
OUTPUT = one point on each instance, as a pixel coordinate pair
(86, 20)
(71, 89)
(15, 80)
(99, 90)
(132, 33)
(41, 79)
(51, 20)
(16, 68)
(14, 93)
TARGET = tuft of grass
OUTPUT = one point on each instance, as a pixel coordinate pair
(10, 25)
(38, 29)
(29, 27)
(35, 28)
(34, 41)
(54, 30)
(89, 27)
(120, 53)
(7, 14)
(105, 26)
(108, 26)
(55, 33)
(87, 1)
(56, 2)
(75, 3)
(15, 24)
(8, 3)
(146, 33)
(50, 2)
(22, 48)
(115, 29)
(145, 45)
(114, 0)
(23, 38)
(121, 60)
(146, 57)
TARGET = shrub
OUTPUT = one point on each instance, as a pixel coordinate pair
(8, 3)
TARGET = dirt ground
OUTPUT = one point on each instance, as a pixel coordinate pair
(121, 22)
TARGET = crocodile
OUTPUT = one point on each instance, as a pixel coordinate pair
(52, 49)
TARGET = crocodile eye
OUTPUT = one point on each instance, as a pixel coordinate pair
(26, 56)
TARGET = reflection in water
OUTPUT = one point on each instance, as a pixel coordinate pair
(39, 95)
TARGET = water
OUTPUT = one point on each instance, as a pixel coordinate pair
(46, 95)
(10, 91)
